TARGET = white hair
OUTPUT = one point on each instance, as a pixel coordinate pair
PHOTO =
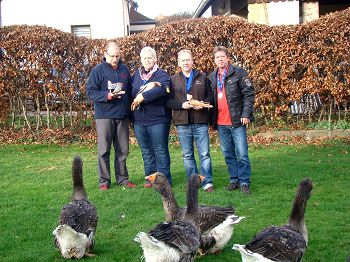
(148, 49)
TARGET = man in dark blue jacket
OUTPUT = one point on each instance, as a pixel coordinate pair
(109, 87)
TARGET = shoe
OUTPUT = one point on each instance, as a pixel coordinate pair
(103, 187)
(233, 186)
(130, 185)
(209, 189)
(245, 189)
(147, 185)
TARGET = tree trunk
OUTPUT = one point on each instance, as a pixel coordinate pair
(24, 111)
(38, 116)
(13, 112)
(70, 115)
(330, 115)
(63, 116)
(47, 108)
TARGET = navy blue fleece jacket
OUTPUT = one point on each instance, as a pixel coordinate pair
(153, 110)
(97, 90)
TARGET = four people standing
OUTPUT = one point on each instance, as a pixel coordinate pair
(192, 121)
(228, 88)
(112, 113)
(233, 110)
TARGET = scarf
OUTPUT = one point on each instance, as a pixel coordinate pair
(145, 76)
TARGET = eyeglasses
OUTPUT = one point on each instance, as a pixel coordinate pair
(113, 56)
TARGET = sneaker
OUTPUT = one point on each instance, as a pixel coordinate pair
(103, 187)
(245, 189)
(130, 185)
(233, 186)
(147, 185)
(209, 189)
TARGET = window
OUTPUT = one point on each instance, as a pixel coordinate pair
(81, 30)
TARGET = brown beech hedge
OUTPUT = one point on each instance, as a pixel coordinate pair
(46, 69)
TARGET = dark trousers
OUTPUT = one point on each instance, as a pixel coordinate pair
(114, 131)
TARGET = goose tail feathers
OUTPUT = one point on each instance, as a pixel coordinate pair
(145, 240)
(233, 219)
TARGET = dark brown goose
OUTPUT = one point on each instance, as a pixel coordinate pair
(215, 223)
(74, 236)
(176, 240)
(284, 243)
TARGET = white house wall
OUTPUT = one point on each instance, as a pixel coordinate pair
(283, 13)
(107, 18)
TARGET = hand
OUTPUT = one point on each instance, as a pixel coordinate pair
(137, 101)
(186, 105)
(245, 121)
(112, 95)
(139, 98)
(118, 94)
(197, 107)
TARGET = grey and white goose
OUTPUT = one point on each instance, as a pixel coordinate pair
(284, 243)
(74, 236)
(176, 240)
(215, 223)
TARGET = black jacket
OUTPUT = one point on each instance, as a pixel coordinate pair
(200, 90)
(240, 95)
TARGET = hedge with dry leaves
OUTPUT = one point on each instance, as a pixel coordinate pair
(45, 68)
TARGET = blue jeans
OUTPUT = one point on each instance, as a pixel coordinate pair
(234, 146)
(153, 141)
(197, 133)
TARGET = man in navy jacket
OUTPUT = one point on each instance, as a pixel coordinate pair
(109, 88)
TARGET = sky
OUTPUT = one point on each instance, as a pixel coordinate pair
(154, 8)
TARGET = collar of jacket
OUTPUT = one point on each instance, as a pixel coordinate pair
(231, 71)
(195, 73)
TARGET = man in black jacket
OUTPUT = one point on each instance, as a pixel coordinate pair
(191, 120)
(233, 109)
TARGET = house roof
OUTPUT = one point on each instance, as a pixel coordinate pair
(205, 4)
(139, 19)
(269, 1)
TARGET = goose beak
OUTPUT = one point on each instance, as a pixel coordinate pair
(151, 178)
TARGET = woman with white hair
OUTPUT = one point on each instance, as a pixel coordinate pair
(150, 88)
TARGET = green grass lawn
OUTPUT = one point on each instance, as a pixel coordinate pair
(35, 183)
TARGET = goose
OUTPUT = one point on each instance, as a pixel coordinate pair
(74, 236)
(176, 240)
(215, 223)
(135, 105)
(282, 243)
